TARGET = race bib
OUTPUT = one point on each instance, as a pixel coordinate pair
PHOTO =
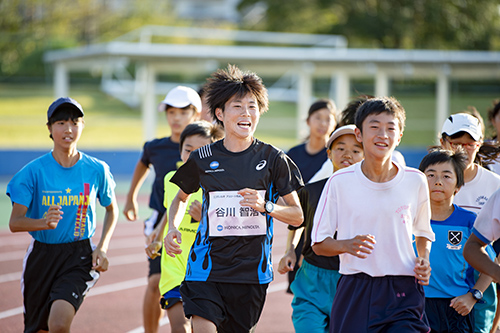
(228, 218)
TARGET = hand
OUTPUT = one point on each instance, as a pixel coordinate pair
(172, 241)
(53, 216)
(152, 250)
(131, 210)
(252, 198)
(463, 304)
(287, 263)
(100, 261)
(360, 246)
(422, 271)
(195, 210)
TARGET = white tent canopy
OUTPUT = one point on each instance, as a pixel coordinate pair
(317, 56)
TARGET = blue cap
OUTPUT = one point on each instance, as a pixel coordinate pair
(67, 101)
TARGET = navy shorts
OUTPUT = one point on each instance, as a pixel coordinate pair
(170, 298)
(378, 304)
(55, 272)
(444, 318)
(232, 307)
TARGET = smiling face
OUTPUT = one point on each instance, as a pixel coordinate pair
(380, 136)
(345, 151)
(240, 117)
(442, 181)
(66, 133)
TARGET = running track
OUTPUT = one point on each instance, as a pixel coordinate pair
(115, 303)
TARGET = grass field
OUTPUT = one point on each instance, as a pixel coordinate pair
(112, 125)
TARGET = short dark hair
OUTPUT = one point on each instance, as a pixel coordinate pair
(64, 113)
(202, 128)
(224, 84)
(377, 106)
(347, 116)
(322, 104)
(437, 156)
(493, 111)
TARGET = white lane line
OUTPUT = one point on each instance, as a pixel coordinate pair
(109, 288)
(114, 261)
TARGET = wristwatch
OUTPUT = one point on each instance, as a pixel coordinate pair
(269, 207)
(477, 294)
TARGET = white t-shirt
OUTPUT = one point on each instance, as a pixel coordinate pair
(495, 167)
(392, 211)
(487, 225)
(474, 194)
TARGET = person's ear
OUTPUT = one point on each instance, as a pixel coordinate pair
(218, 114)
(358, 135)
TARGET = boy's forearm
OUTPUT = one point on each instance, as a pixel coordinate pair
(328, 247)
(177, 210)
(423, 247)
(140, 173)
(475, 254)
(109, 224)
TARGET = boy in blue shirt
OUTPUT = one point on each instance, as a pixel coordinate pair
(53, 198)
(451, 293)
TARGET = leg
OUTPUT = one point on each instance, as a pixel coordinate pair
(178, 321)
(151, 309)
(61, 316)
(202, 325)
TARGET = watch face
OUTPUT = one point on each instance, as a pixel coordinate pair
(269, 207)
(477, 294)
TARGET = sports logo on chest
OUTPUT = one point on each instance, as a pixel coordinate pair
(454, 238)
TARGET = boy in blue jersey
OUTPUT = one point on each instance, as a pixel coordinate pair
(182, 106)
(229, 265)
(53, 198)
(451, 293)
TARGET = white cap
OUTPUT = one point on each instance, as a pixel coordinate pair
(180, 97)
(347, 129)
(463, 122)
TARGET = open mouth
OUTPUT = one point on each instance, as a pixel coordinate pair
(244, 124)
(381, 144)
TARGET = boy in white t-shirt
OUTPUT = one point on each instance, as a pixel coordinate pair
(376, 207)
(485, 231)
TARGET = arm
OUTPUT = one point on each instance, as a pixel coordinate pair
(131, 207)
(463, 304)
(289, 213)
(360, 246)
(175, 216)
(287, 262)
(99, 259)
(19, 222)
(156, 238)
(422, 266)
(476, 256)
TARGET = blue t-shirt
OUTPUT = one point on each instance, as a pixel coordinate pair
(44, 182)
(451, 275)
(308, 164)
(164, 155)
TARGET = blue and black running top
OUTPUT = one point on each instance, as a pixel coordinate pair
(233, 243)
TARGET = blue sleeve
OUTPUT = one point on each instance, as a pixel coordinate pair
(107, 185)
(21, 188)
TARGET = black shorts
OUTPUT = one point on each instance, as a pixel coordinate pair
(232, 307)
(444, 318)
(55, 272)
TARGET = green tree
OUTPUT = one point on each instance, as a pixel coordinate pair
(29, 27)
(423, 24)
